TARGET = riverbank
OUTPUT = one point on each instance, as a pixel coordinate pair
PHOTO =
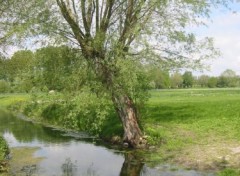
(5, 101)
(4, 151)
(197, 129)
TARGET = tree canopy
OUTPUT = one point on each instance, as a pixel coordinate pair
(153, 28)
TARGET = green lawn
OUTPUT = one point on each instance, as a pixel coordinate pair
(8, 99)
(195, 127)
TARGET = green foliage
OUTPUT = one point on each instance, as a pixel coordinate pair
(4, 150)
(4, 86)
(229, 172)
(228, 79)
(21, 62)
(187, 79)
(159, 78)
(203, 80)
(3, 74)
(132, 78)
(16, 71)
(84, 110)
(176, 80)
(50, 68)
(212, 82)
(7, 100)
(59, 68)
(87, 112)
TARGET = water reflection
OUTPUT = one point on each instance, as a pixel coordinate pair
(64, 155)
(69, 168)
(26, 132)
(132, 165)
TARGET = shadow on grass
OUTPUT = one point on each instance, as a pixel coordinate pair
(185, 113)
(112, 126)
(170, 113)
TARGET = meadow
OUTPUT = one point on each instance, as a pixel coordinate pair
(197, 128)
(8, 99)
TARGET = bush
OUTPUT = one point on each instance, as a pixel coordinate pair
(83, 111)
(87, 112)
(4, 150)
(4, 86)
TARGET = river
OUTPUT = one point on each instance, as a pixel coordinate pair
(60, 153)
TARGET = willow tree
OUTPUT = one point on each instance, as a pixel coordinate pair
(109, 32)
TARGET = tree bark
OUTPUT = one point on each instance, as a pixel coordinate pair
(123, 104)
(127, 112)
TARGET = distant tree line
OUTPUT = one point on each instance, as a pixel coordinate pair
(58, 68)
(50, 68)
(162, 79)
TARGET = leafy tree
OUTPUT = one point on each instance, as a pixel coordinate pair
(112, 34)
(212, 82)
(4, 86)
(188, 79)
(55, 66)
(21, 62)
(159, 78)
(229, 73)
(203, 80)
(3, 74)
(176, 80)
(227, 79)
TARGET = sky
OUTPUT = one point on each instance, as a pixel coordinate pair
(224, 27)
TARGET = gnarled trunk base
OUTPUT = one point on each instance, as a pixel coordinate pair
(128, 115)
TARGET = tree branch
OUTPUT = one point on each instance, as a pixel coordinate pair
(73, 24)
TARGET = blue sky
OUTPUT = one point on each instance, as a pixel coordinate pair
(224, 27)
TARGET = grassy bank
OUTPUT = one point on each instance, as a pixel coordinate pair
(5, 101)
(195, 128)
(4, 150)
(9, 99)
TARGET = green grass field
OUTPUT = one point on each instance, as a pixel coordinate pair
(195, 127)
(8, 99)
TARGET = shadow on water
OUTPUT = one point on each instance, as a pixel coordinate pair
(71, 154)
(132, 165)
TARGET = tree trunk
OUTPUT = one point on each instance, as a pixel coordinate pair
(128, 115)
(123, 104)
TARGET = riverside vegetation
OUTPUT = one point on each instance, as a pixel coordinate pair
(194, 128)
(4, 150)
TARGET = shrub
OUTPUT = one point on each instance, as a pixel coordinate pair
(87, 112)
(4, 150)
(4, 86)
(84, 111)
